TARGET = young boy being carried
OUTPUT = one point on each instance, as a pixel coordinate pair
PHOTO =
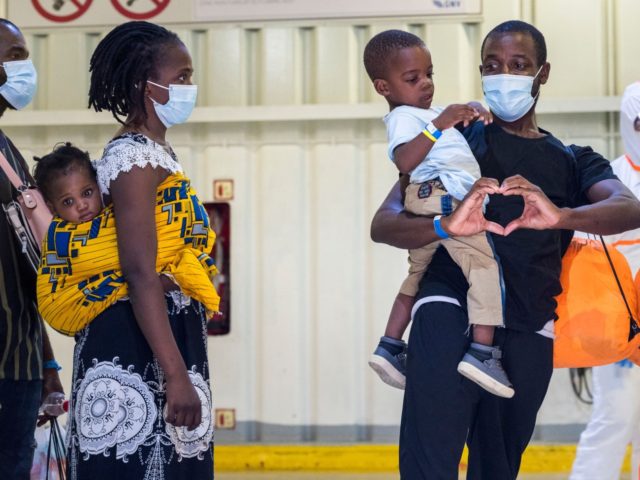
(442, 169)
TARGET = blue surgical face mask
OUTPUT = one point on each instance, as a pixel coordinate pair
(182, 99)
(509, 96)
(21, 83)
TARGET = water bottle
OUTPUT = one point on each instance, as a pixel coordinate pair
(54, 405)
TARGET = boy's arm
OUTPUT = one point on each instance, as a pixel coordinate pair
(409, 155)
(484, 115)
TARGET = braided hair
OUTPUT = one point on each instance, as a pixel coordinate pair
(61, 161)
(121, 64)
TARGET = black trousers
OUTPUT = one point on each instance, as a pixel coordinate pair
(19, 403)
(442, 409)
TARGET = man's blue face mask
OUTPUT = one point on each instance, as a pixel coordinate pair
(21, 83)
(509, 96)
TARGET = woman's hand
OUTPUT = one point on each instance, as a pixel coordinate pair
(467, 219)
(183, 404)
(539, 212)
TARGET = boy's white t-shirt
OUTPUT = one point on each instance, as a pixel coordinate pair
(450, 158)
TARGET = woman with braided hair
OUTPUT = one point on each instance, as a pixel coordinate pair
(141, 401)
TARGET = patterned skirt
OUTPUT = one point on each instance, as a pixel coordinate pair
(116, 424)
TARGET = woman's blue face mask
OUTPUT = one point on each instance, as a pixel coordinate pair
(182, 99)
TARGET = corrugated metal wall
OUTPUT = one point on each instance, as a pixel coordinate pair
(286, 110)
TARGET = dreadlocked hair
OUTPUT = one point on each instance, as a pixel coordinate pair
(122, 63)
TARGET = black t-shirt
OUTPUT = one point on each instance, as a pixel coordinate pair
(530, 260)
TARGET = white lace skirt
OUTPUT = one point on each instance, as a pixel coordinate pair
(116, 426)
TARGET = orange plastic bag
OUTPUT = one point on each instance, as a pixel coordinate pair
(594, 326)
(635, 355)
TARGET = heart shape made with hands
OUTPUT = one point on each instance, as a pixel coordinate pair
(539, 212)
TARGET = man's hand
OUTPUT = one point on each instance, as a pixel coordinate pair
(468, 219)
(539, 212)
(50, 384)
(454, 114)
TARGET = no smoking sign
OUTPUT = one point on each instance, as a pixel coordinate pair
(62, 11)
(140, 9)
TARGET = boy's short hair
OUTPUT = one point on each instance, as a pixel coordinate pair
(382, 46)
(62, 160)
(518, 26)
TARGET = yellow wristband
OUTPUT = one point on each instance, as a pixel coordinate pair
(428, 134)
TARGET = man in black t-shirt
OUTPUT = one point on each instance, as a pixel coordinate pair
(540, 191)
(28, 371)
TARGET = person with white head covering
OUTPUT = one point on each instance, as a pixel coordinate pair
(615, 417)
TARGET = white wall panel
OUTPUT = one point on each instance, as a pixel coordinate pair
(454, 64)
(337, 60)
(310, 291)
(578, 50)
(224, 67)
(625, 50)
(276, 76)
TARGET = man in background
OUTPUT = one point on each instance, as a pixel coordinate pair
(28, 371)
(615, 418)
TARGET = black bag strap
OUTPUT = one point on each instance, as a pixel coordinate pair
(633, 325)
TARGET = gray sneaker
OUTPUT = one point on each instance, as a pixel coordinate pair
(482, 365)
(390, 368)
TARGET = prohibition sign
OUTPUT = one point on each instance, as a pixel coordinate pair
(158, 6)
(81, 6)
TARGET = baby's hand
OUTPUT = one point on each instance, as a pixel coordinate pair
(454, 114)
(484, 115)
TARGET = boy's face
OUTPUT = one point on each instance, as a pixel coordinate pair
(409, 79)
(75, 196)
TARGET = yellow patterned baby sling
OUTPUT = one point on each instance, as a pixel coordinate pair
(80, 276)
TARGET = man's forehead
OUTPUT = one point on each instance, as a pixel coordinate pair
(511, 43)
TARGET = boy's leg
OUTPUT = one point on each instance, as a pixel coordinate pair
(502, 427)
(476, 259)
(400, 316)
(438, 402)
(483, 334)
(389, 358)
(482, 363)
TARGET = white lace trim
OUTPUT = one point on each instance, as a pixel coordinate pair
(124, 153)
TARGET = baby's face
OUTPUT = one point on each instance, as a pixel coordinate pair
(410, 78)
(75, 196)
